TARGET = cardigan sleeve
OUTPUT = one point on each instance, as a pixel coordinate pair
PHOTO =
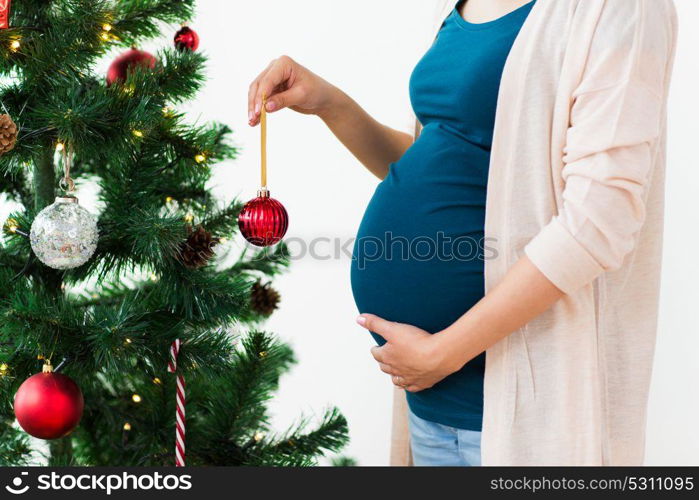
(616, 119)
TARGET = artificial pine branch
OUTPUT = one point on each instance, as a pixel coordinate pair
(298, 447)
(266, 261)
(139, 19)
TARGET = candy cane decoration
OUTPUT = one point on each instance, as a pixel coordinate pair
(179, 437)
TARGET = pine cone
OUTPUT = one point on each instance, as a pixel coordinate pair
(264, 299)
(8, 134)
(196, 251)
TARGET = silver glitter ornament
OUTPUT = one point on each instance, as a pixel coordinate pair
(64, 234)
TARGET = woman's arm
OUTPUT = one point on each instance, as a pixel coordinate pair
(522, 295)
(287, 84)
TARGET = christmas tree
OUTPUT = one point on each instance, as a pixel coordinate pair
(109, 324)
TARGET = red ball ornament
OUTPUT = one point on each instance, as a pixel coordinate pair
(120, 67)
(263, 220)
(186, 38)
(48, 405)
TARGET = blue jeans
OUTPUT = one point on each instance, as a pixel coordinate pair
(437, 445)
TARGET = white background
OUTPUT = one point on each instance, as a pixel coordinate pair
(368, 48)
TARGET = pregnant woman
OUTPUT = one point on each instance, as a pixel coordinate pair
(523, 219)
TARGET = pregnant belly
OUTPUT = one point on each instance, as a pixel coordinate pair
(429, 294)
(418, 257)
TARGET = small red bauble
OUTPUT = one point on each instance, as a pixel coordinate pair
(48, 405)
(263, 220)
(130, 59)
(186, 38)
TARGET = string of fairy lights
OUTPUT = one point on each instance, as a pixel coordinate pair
(135, 397)
(106, 34)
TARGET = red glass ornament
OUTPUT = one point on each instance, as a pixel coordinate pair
(48, 405)
(5, 14)
(186, 38)
(263, 220)
(121, 66)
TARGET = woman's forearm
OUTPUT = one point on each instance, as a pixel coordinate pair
(375, 145)
(417, 359)
(522, 295)
(287, 84)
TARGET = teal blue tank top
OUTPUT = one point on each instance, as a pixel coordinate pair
(420, 249)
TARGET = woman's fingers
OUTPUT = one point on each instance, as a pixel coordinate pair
(279, 73)
(410, 384)
(386, 368)
(377, 353)
(252, 92)
(251, 102)
(287, 84)
(292, 97)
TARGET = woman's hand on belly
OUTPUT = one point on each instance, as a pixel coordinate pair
(417, 360)
(410, 355)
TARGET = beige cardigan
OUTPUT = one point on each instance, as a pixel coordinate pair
(576, 183)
